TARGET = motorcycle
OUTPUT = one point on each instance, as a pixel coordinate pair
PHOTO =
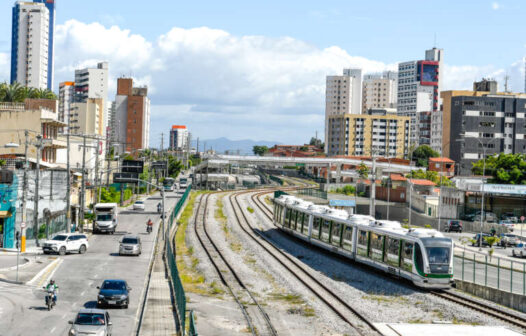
(159, 208)
(149, 229)
(50, 295)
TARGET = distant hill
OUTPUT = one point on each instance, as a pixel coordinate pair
(221, 145)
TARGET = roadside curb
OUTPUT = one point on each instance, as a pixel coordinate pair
(7, 269)
(48, 270)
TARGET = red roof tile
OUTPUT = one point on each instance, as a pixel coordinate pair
(441, 159)
(422, 182)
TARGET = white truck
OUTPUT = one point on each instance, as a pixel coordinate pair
(105, 217)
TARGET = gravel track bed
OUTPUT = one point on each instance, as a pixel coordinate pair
(268, 278)
(377, 297)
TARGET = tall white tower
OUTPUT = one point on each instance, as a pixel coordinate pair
(30, 45)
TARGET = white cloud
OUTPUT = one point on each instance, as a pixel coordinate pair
(220, 84)
(5, 66)
(495, 6)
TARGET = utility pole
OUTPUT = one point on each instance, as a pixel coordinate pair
(83, 186)
(162, 142)
(24, 195)
(38, 145)
(96, 170)
(373, 185)
(197, 147)
(68, 184)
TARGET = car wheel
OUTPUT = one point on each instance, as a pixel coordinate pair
(82, 249)
(62, 251)
(45, 252)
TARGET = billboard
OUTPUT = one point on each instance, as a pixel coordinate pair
(132, 166)
(428, 73)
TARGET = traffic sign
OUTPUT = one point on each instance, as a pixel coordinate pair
(522, 219)
(23, 225)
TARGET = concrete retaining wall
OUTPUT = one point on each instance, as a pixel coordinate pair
(514, 301)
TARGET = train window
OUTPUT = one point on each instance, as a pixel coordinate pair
(362, 243)
(326, 231)
(392, 251)
(419, 259)
(377, 247)
(295, 220)
(316, 228)
(299, 226)
(306, 224)
(407, 256)
(347, 238)
(336, 234)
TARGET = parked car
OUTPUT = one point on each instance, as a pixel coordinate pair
(454, 225)
(91, 321)
(478, 240)
(130, 244)
(475, 217)
(65, 243)
(519, 250)
(508, 239)
(506, 222)
(114, 293)
(138, 205)
(510, 216)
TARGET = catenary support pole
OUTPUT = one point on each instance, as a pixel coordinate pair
(36, 194)
(83, 187)
(24, 195)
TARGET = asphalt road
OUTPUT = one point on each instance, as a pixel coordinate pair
(22, 308)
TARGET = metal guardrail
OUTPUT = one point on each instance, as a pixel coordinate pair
(501, 273)
(312, 192)
(180, 297)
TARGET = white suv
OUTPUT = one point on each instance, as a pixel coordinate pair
(66, 242)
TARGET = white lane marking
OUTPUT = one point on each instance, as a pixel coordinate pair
(82, 294)
(53, 329)
(64, 316)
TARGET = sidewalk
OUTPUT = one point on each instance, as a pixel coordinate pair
(159, 315)
(29, 270)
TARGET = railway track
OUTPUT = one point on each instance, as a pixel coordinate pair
(257, 319)
(478, 306)
(341, 308)
(500, 314)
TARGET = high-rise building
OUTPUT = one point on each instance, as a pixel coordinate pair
(419, 86)
(132, 116)
(65, 99)
(178, 137)
(92, 83)
(368, 134)
(30, 45)
(84, 117)
(343, 95)
(379, 91)
(50, 5)
(487, 121)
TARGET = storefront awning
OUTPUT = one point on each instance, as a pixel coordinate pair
(5, 214)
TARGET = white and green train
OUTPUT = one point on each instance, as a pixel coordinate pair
(424, 256)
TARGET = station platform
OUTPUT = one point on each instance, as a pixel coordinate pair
(441, 329)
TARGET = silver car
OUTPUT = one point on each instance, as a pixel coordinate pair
(91, 322)
(130, 245)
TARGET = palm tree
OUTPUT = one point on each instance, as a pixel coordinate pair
(12, 93)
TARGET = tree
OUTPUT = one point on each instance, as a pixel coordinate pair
(2, 163)
(316, 142)
(260, 150)
(16, 93)
(363, 171)
(422, 154)
(504, 168)
(431, 176)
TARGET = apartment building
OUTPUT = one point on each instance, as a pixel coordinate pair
(419, 84)
(343, 95)
(85, 117)
(178, 137)
(132, 116)
(379, 91)
(476, 121)
(30, 62)
(38, 116)
(368, 134)
(65, 99)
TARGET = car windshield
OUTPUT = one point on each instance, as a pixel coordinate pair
(60, 237)
(90, 319)
(104, 218)
(139, 202)
(113, 285)
(129, 241)
(438, 255)
(454, 223)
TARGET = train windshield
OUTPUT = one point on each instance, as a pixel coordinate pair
(438, 255)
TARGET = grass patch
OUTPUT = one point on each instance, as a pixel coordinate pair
(250, 210)
(267, 200)
(299, 306)
(236, 247)
(249, 260)
(220, 215)
(289, 298)
(385, 299)
(192, 279)
(416, 321)
(215, 289)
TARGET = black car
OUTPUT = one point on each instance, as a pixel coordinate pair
(454, 225)
(114, 293)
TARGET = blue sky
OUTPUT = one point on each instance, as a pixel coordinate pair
(253, 67)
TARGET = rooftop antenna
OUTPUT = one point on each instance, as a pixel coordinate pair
(506, 78)
(435, 41)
